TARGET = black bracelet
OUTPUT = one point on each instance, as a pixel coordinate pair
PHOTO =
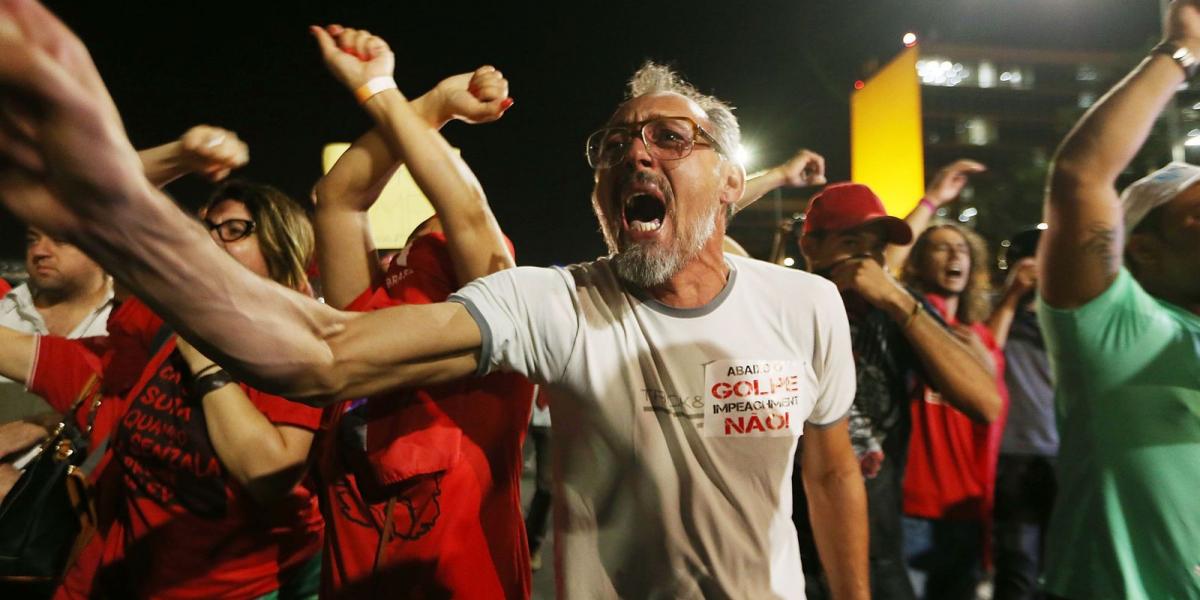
(206, 370)
(207, 384)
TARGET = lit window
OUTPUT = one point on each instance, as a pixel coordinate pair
(987, 74)
(940, 71)
(976, 131)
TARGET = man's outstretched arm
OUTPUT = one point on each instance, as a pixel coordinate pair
(1081, 250)
(67, 167)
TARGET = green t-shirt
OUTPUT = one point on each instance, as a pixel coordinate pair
(1126, 523)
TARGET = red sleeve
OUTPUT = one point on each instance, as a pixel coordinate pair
(371, 299)
(63, 367)
(5, 287)
(281, 411)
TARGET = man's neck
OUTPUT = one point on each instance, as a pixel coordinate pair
(699, 281)
(63, 311)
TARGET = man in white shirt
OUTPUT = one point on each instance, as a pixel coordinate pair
(67, 295)
(683, 378)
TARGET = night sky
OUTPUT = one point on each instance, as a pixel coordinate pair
(787, 66)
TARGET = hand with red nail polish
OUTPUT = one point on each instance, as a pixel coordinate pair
(354, 56)
(478, 97)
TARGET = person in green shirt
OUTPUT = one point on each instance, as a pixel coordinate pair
(1120, 309)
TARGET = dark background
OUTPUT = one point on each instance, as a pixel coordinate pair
(787, 66)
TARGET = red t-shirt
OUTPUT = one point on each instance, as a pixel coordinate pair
(449, 456)
(63, 367)
(951, 471)
(181, 527)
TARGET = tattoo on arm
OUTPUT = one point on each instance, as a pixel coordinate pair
(1101, 243)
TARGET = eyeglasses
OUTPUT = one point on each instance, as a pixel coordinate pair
(666, 138)
(230, 230)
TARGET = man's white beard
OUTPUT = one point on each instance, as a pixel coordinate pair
(650, 265)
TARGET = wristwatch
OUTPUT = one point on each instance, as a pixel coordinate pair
(1182, 57)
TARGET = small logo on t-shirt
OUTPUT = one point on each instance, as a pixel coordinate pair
(754, 398)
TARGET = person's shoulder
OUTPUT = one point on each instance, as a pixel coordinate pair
(779, 275)
(18, 295)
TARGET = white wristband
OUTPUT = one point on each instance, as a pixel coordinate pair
(373, 86)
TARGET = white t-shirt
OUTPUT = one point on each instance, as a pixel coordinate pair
(675, 430)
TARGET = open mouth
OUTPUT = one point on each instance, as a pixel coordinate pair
(644, 212)
(955, 272)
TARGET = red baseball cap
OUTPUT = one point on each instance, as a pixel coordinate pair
(842, 206)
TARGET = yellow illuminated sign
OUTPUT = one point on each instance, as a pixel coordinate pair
(401, 206)
(886, 151)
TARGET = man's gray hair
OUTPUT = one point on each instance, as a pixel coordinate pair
(653, 78)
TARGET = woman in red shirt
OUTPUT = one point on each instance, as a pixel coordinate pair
(202, 495)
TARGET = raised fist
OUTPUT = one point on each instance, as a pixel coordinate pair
(1022, 277)
(1182, 24)
(354, 56)
(212, 152)
(478, 97)
(806, 168)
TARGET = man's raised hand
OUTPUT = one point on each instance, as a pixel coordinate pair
(806, 168)
(1182, 24)
(478, 97)
(950, 180)
(354, 56)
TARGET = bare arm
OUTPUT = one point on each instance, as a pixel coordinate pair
(961, 374)
(946, 185)
(1081, 251)
(66, 166)
(210, 151)
(837, 505)
(784, 235)
(806, 168)
(268, 460)
(16, 354)
(405, 133)
(1022, 279)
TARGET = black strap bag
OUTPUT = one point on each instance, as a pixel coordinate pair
(49, 515)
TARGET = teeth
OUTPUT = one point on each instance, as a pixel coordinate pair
(644, 226)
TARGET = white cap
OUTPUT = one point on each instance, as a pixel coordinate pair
(1156, 189)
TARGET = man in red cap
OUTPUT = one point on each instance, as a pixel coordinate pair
(897, 342)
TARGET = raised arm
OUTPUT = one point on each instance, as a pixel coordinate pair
(805, 168)
(210, 151)
(955, 369)
(405, 133)
(1022, 279)
(67, 167)
(344, 247)
(946, 185)
(1081, 251)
